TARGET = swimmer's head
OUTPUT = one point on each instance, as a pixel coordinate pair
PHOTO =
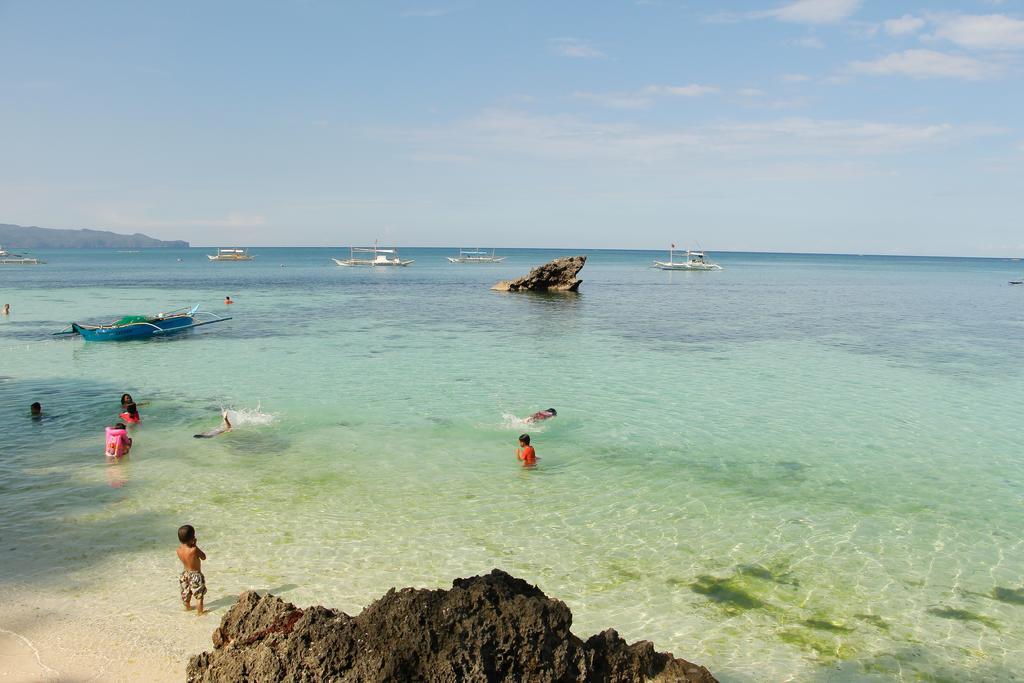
(524, 439)
(186, 533)
(126, 399)
(120, 425)
(552, 411)
(36, 408)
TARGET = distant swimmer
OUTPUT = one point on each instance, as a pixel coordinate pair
(542, 415)
(525, 452)
(36, 409)
(227, 300)
(224, 427)
(7, 309)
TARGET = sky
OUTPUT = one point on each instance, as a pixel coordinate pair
(852, 126)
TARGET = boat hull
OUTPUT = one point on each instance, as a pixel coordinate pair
(687, 266)
(20, 261)
(373, 264)
(134, 330)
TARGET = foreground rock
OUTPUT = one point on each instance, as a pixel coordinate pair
(486, 628)
(556, 276)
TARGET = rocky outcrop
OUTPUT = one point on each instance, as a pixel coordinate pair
(486, 628)
(556, 276)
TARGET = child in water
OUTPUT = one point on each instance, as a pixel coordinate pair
(525, 452)
(118, 444)
(131, 414)
(542, 415)
(192, 582)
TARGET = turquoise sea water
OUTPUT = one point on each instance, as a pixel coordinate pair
(799, 468)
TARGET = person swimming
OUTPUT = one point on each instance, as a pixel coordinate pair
(227, 300)
(131, 414)
(542, 415)
(224, 427)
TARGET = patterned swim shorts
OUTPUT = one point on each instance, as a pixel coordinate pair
(193, 585)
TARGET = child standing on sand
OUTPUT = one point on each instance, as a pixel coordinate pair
(192, 581)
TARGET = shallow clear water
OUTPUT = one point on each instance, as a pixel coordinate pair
(802, 466)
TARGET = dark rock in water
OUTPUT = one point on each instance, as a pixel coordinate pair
(556, 276)
(486, 628)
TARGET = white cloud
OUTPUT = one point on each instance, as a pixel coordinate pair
(441, 158)
(926, 64)
(518, 133)
(234, 219)
(436, 12)
(795, 78)
(797, 12)
(616, 100)
(908, 23)
(812, 42)
(980, 31)
(815, 11)
(576, 48)
(692, 90)
(645, 98)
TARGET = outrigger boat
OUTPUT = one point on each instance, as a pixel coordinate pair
(475, 256)
(9, 259)
(235, 254)
(695, 260)
(144, 326)
(381, 257)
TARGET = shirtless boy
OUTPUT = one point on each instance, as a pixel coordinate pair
(192, 581)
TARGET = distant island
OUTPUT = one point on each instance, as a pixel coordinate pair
(23, 237)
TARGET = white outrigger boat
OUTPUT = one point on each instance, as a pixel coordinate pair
(475, 256)
(380, 257)
(9, 259)
(695, 260)
(235, 254)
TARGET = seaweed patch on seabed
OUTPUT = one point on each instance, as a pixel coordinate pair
(830, 649)
(874, 620)
(774, 575)
(730, 593)
(1013, 596)
(826, 625)
(962, 615)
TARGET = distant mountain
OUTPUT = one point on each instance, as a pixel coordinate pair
(21, 237)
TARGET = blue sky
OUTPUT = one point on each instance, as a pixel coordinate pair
(806, 125)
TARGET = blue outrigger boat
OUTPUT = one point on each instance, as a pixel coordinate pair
(143, 326)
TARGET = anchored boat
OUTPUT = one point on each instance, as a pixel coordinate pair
(695, 260)
(475, 256)
(143, 326)
(235, 254)
(378, 257)
(9, 259)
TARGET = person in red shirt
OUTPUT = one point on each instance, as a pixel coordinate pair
(131, 414)
(525, 452)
